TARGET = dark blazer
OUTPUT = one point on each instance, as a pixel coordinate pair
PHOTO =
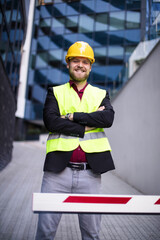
(57, 161)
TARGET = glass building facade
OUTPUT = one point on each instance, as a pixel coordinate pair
(12, 27)
(153, 19)
(113, 28)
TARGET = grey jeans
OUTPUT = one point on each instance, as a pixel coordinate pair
(70, 181)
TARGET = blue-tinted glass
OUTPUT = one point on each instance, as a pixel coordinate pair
(38, 93)
(32, 60)
(116, 37)
(34, 44)
(134, 4)
(58, 25)
(87, 37)
(132, 36)
(133, 19)
(44, 26)
(43, 43)
(128, 51)
(117, 20)
(37, 13)
(87, 6)
(41, 60)
(55, 57)
(54, 76)
(72, 8)
(99, 74)
(56, 42)
(40, 76)
(101, 23)
(101, 6)
(115, 52)
(59, 10)
(46, 11)
(8, 15)
(100, 55)
(113, 72)
(31, 78)
(69, 39)
(117, 5)
(72, 24)
(86, 23)
(100, 39)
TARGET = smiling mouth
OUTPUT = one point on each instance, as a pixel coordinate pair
(79, 70)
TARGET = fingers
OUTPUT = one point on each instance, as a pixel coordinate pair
(101, 108)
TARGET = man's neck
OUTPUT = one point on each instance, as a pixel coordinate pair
(80, 85)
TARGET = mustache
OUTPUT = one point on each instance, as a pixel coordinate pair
(80, 68)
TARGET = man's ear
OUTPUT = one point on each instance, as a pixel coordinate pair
(68, 65)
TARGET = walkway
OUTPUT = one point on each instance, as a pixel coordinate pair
(23, 176)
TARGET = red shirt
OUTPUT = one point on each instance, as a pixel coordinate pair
(78, 154)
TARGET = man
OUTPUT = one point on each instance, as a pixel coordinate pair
(78, 150)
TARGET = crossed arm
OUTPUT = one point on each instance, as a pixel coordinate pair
(80, 122)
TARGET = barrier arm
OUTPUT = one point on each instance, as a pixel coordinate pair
(103, 204)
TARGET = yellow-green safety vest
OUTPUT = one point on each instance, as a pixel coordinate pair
(69, 102)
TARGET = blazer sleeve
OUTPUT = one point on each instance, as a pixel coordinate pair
(54, 123)
(99, 119)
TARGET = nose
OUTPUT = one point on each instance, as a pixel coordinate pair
(80, 64)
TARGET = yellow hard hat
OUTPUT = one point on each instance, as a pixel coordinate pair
(80, 49)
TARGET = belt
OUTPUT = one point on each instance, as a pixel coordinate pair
(78, 166)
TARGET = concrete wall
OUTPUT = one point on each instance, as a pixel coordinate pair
(7, 119)
(135, 134)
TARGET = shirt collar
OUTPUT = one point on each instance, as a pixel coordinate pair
(72, 84)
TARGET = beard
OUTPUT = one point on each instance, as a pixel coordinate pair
(74, 76)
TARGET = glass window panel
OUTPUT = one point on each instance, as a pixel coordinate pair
(72, 24)
(56, 42)
(116, 37)
(133, 19)
(128, 51)
(46, 11)
(113, 72)
(101, 6)
(117, 5)
(115, 51)
(41, 60)
(44, 26)
(58, 25)
(72, 8)
(100, 55)
(86, 23)
(101, 39)
(101, 22)
(117, 20)
(69, 39)
(55, 57)
(56, 80)
(43, 43)
(99, 74)
(8, 15)
(134, 4)
(132, 36)
(40, 76)
(87, 37)
(87, 7)
(59, 9)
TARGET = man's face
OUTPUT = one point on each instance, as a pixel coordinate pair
(79, 68)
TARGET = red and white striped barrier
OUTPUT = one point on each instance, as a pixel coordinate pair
(82, 203)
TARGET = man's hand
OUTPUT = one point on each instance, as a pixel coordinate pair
(101, 108)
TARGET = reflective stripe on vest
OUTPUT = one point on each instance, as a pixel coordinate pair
(69, 102)
(88, 136)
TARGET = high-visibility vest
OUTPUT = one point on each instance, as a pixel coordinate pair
(69, 102)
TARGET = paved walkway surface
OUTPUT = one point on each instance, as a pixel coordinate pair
(23, 176)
